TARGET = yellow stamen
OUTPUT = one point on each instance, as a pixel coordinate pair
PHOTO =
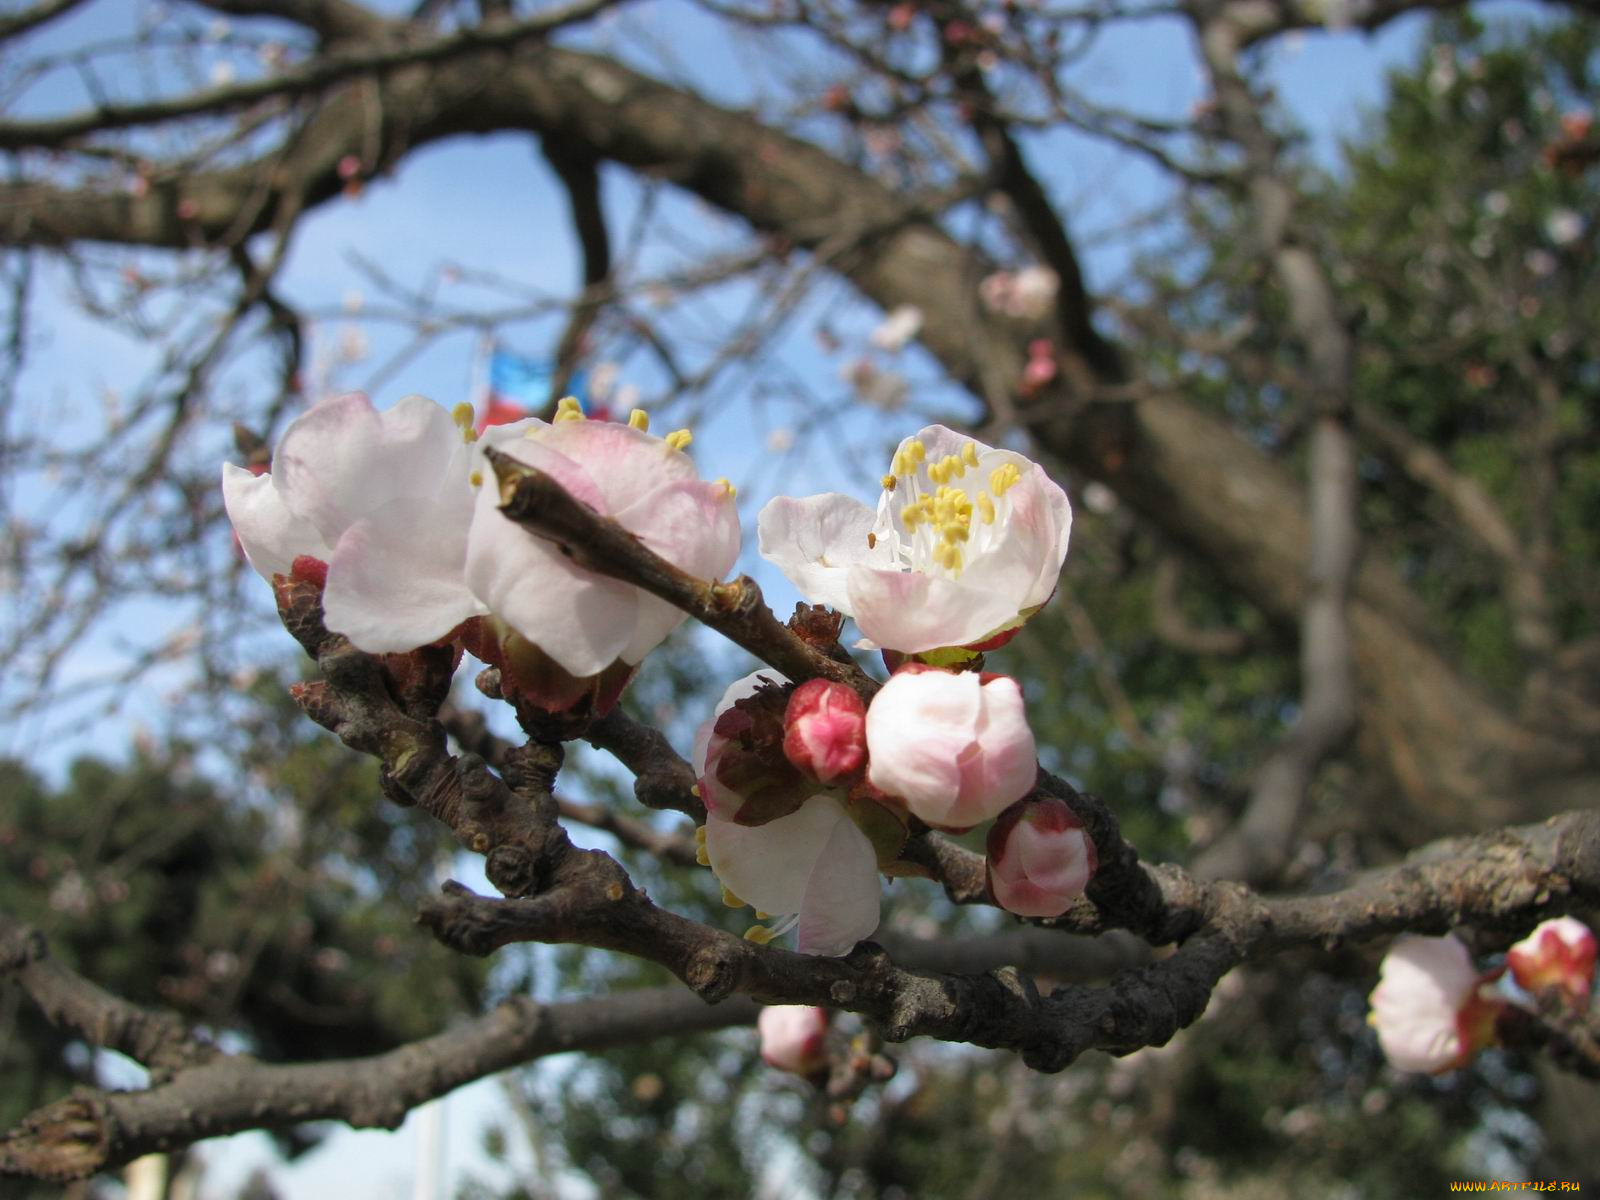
(761, 916)
(463, 415)
(1003, 478)
(888, 483)
(730, 899)
(568, 409)
(699, 830)
(728, 490)
(640, 420)
(969, 453)
(872, 541)
(986, 508)
(700, 833)
(919, 452)
(476, 479)
(678, 439)
(701, 857)
(759, 934)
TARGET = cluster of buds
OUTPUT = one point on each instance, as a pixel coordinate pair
(1433, 1010)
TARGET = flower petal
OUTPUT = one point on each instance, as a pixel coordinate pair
(815, 540)
(396, 579)
(580, 619)
(841, 904)
(271, 535)
(911, 612)
(917, 727)
(625, 463)
(342, 459)
(770, 865)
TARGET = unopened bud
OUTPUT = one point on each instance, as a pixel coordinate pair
(794, 1038)
(825, 730)
(1040, 858)
(1559, 954)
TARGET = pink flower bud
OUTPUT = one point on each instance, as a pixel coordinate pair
(1040, 858)
(825, 730)
(1558, 954)
(956, 748)
(1428, 1011)
(794, 1037)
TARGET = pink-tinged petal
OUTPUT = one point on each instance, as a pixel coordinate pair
(692, 524)
(1559, 953)
(794, 1037)
(580, 619)
(695, 527)
(815, 540)
(841, 903)
(1425, 984)
(956, 750)
(917, 727)
(271, 535)
(571, 474)
(1007, 765)
(770, 866)
(910, 612)
(1039, 858)
(342, 459)
(395, 581)
(626, 464)
(825, 730)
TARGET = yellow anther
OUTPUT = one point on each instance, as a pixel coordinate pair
(986, 508)
(888, 483)
(699, 830)
(568, 409)
(1004, 477)
(969, 453)
(640, 420)
(872, 541)
(759, 934)
(476, 479)
(701, 857)
(761, 916)
(730, 899)
(678, 439)
(918, 452)
(700, 833)
(469, 436)
(728, 490)
(463, 415)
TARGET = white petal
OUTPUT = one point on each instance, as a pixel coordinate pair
(770, 865)
(395, 580)
(918, 725)
(814, 540)
(580, 619)
(271, 535)
(343, 458)
(910, 612)
(842, 897)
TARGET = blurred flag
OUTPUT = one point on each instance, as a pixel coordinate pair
(519, 387)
